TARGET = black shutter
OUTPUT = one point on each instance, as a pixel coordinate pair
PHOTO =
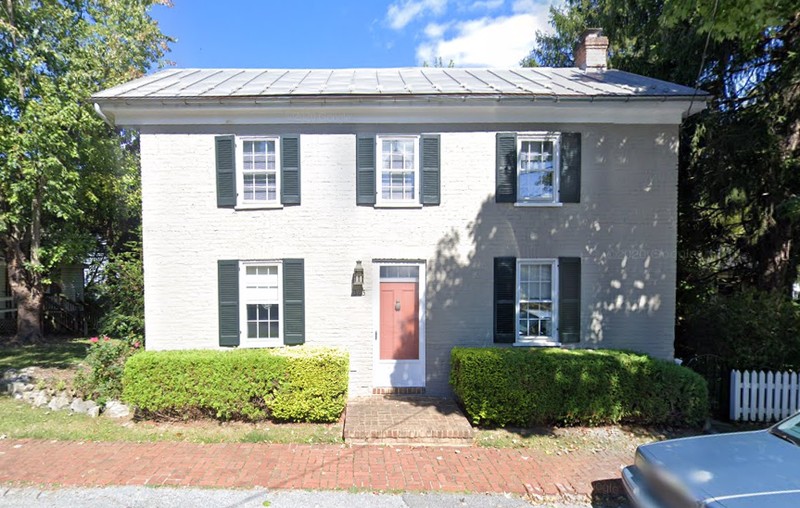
(228, 299)
(294, 315)
(365, 170)
(430, 193)
(290, 170)
(505, 299)
(570, 172)
(506, 167)
(226, 171)
(569, 300)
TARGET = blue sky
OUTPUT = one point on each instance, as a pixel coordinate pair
(351, 33)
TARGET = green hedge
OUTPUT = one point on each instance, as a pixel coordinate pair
(532, 386)
(289, 384)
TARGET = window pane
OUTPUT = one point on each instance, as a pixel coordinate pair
(273, 329)
(263, 330)
(252, 331)
(252, 312)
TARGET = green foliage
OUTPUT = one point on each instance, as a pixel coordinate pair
(123, 288)
(525, 387)
(289, 384)
(749, 329)
(65, 176)
(101, 377)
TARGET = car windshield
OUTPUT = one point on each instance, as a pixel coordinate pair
(789, 428)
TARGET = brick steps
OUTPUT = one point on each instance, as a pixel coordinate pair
(406, 420)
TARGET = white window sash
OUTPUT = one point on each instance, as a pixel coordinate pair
(555, 138)
(244, 340)
(240, 173)
(538, 340)
(379, 199)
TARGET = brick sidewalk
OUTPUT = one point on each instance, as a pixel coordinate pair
(473, 469)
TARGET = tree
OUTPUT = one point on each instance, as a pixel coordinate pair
(61, 168)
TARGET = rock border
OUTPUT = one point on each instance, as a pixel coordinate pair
(19, 384)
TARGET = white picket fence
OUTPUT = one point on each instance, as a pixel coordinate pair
(764, 396)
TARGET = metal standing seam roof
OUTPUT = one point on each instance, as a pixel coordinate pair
(550, 82)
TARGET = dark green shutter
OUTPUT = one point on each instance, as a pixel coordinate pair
(294, 314)
(506, 166)
(365, 170)
(431, 170)
(290, 170)
(226, 171)
(228, 298)
(505, 299)
(569, 300)
(570, 172)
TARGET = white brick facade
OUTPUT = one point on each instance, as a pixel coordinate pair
(624, 229)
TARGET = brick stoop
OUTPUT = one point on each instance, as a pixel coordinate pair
(406, 420)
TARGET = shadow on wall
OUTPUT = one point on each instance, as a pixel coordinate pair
(624, 231)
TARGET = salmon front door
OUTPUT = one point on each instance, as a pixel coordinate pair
(399, 352)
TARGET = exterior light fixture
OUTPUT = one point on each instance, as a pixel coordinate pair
(358, 280)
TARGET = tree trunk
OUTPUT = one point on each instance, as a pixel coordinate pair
(27, 292)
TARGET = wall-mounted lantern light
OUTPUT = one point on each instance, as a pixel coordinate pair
(358, 280)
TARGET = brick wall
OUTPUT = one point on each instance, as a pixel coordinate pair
(624, 229)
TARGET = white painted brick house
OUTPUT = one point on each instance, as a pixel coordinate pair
(523, 207)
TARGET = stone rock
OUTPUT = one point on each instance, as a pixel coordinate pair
(93, 411)
(40, 398)
(116, 409)
(59, 402)
(82, 406)
(10, 373)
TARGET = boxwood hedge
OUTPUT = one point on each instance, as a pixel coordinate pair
(533, 386)
(288, 384)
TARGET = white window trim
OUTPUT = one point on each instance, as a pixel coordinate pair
(538, 340)
(555, 137)
(244, 341)
(241, 203)
(396, 203)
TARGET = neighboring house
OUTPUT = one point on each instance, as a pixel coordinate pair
(519, 207)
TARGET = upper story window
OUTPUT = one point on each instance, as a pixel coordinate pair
(398, 170)
(536, 301)
(259, 179)
(537, 168)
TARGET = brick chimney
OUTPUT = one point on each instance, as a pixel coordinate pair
(591, 52)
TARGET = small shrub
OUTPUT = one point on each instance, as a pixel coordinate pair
(526, 387)
(291, 384)
(123, 289)
(101, 377)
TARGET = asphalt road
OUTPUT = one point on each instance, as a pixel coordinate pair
(163, 497)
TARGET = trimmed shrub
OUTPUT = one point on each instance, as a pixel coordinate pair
(529, 386)
(291, 384)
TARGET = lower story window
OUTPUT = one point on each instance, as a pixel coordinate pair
(261, 303)
(536, 300)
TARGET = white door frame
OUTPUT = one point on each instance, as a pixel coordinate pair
(381, 369)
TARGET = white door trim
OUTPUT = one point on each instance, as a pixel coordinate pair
(380, 368)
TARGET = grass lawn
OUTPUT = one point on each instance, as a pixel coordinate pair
(556, 440)
(20, 420)
(55, 355)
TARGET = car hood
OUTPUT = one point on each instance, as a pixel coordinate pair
(732, 470)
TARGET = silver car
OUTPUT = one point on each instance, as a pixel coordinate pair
(759, 469)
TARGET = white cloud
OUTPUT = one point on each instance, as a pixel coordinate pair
(435, 30)
(487, 5)
(487, 42)
(403, 12)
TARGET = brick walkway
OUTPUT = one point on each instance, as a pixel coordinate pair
(474, 469)
(406, 419)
